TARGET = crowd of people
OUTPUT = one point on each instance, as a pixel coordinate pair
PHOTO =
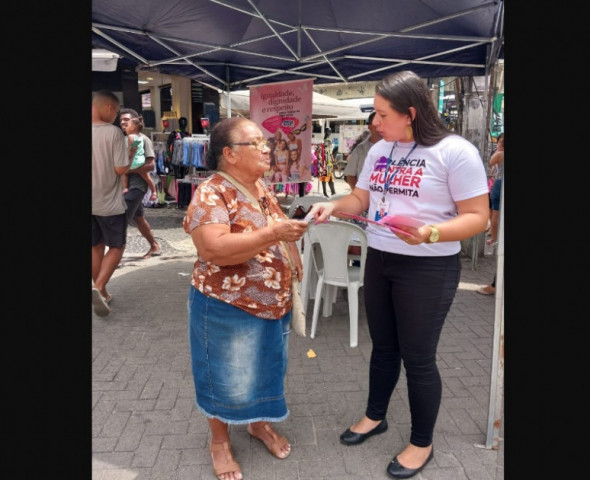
(240, 295)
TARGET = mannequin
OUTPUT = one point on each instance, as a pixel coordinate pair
(326, 163)
(182, 124)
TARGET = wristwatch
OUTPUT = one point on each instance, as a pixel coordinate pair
(434, 234)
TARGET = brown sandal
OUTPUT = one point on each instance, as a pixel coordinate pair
(278, 441)
(230, 464)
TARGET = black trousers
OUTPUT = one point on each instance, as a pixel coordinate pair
(184, 194)
(332, 187)
(407, 299)
(302, 188)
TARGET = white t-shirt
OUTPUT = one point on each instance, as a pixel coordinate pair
(425, 187)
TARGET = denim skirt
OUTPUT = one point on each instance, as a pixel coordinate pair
(239, 361)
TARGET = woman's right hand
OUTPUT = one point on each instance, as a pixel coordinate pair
(320, 211)
(289, 230)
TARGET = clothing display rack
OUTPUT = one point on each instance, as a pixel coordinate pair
(186, 186)
(190, 153)
(160, 136)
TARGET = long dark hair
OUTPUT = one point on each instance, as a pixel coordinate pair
(222, 135)
(405, 89)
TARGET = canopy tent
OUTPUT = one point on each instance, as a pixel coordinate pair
(233, 44)
(322, 106)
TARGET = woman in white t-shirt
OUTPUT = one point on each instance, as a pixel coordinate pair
(436, 178)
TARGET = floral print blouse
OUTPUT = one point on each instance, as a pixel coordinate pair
(260, 286)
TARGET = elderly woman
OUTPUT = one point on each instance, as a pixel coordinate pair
(239, 305)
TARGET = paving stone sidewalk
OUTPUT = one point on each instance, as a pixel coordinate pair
(145, 425)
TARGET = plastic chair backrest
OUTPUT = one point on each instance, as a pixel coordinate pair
(339, 195)
(305, 202)
(334, 238)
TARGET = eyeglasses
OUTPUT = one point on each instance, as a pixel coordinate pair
(258, 144)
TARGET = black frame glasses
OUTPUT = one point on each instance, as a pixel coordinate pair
(258, 144)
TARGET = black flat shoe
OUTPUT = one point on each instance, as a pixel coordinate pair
(397, 470)
(353, 438)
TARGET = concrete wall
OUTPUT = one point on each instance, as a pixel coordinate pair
(122, 82)
(181, 99)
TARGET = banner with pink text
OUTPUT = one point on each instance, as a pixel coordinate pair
(283, 113)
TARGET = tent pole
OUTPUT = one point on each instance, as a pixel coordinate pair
(228, 102)
(228, 91)
(495, 410)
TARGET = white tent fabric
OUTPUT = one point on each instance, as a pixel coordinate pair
(104, 60)
(322, 106)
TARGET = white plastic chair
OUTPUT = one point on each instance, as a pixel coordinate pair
(339, 195)
(309, 272)
(334, 268)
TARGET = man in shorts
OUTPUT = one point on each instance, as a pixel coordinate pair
(138, 187)
(110, 160)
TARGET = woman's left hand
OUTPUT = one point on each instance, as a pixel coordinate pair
(471, 219)
(299, 269)
(415, 236)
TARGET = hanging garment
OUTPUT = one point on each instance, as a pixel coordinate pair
(184, 194)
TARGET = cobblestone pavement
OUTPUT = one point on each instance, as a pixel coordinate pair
(166, 225)
(145, 424)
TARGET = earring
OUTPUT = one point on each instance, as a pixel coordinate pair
(409, 132)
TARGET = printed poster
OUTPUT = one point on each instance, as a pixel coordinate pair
(348, 135)
(283, 111)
